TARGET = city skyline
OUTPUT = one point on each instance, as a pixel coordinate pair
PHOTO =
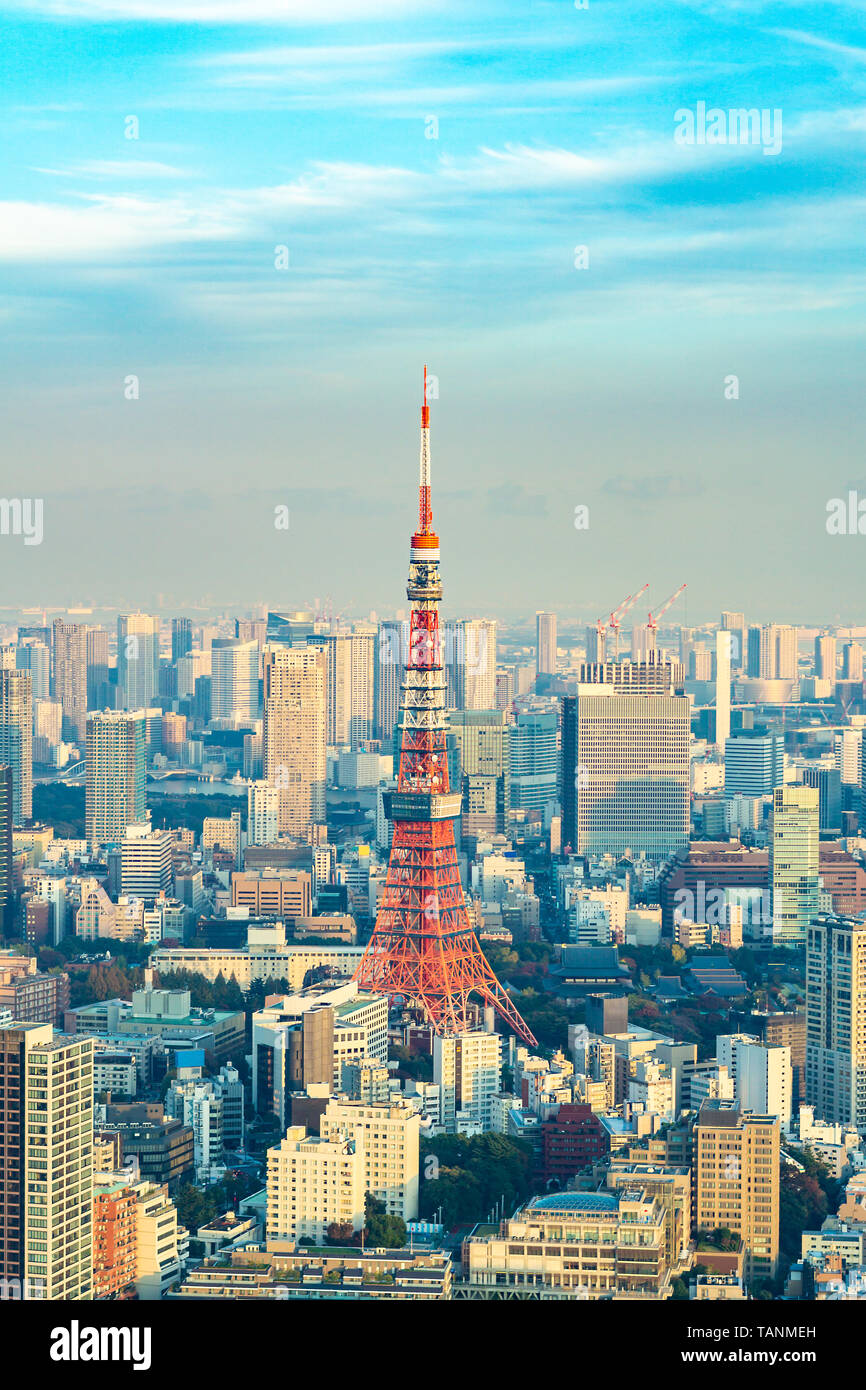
(480, 919)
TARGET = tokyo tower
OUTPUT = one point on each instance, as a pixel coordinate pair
(423, 947)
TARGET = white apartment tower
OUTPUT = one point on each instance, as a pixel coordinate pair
(137, 660)
(388, 1136)
(313, 1183)
(467, 1068)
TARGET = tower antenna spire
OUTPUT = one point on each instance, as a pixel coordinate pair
(423, 949)
(425, 507)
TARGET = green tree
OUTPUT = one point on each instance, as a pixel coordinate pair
(382, 1231)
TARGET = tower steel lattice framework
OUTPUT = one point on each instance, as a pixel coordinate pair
(423, 947)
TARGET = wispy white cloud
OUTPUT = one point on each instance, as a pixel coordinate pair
(323, 91)
(224, 11)
(335, 56)
(120, 170)
(841, 50)
(104, 226)
(87, 224)
(97, 225)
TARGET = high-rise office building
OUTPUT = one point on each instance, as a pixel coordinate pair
(46, 1162)
(504, 687)
(483, 739)
(644, 641)
(392, 654)
(70, 677)
(785, 639)
(289, 629)
(772, 652)
(545, 644)
(700, 663)
(533, 780)
(754, 764)
(735, 624)
(16, 739)
(351, 666)
(470, 663)
(825, 656)
(763, 1075)
(836, 1018)
(137, 660)
(595, 641)
(6, 881)
(294, 734)
(724, 645)
(145, 862)
(234, 680)
(251, 630)
(34, 656)
(794, 863)
(625, 772)
(658, 675)
(336, 648)
(828, 782)
(47, 725)
(116, 774)
(848, 750)
(181, 637)
(736, 1170)
(99, 690)
(852, 662)
(191, 667)
(363, 702)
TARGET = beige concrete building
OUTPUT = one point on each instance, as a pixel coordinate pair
(70, 676)
(161, 1244)
(294, 735)
(223, 832)
(258, 962)
(736, 1168)
(116, 774)
(283, 893)
(388, 1135)
(671, 1186)
(46, 1162)
(573, 1245)
(313, 1183)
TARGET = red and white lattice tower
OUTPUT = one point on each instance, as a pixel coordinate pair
(423, 947)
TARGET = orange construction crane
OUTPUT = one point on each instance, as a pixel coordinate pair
(601, 628)
(653, 621)
(619, 613)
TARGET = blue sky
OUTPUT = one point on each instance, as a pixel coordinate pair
(307, 125)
